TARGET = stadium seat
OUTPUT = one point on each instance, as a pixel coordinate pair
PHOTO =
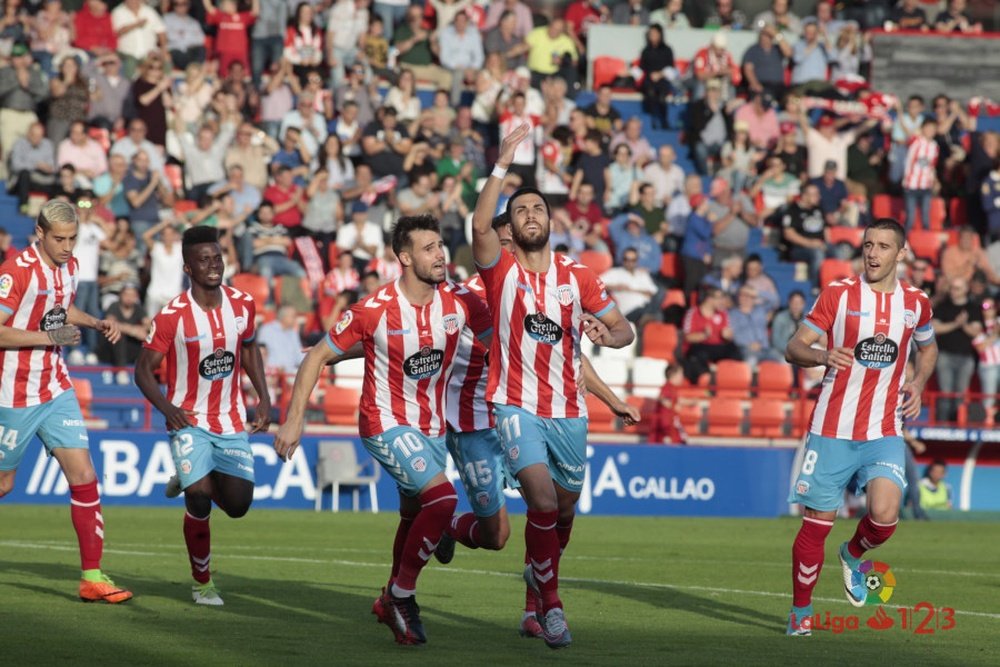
(939, 213)
(732, 379)
(660, 340)
(958, 213)
(926, 244)
(597, 261)
(887, 206)
(670, 266)
(850, 235)
(340, 405)
(175, 176)
(184, 206)
(351, 373)
(600, 417)
(84, 395)
(691, 416)
(774, 379)
(674, 297)
(647, 412)
(613, 371)
(768, 418)
(725, 417)
(337, 466)
(648, 376)
(832, 270)
(254, 285)
(606, 70)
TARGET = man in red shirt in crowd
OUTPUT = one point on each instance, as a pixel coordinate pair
(707, 334)
(289, 200)
(94, 32)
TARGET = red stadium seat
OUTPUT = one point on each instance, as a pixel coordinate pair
(691, 416)
(183, 206)
(725, 417)
(597, 261)
(926, 244)
(732, 379)
(660, 340)
(768, 418)
(254, 285)
(340, 405)
(958, 213)
(674, 297)
(849, 235)
(606, 70)
(939, 213)
(601, 419)
(832, 270)
(670, 266)
(886, 206)
(774, 379)
(84, 395)
(175, 177)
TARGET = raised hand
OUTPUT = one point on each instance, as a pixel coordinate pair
(510, 143)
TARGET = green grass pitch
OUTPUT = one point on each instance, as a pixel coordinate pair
(298, 588)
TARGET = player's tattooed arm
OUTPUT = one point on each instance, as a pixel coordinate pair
(596, 386)
(287, 439)
(65, 335)
(11, 338)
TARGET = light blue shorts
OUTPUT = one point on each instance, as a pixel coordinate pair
(58, 423)
(409, 456)
(478, 455)
(527, 439)
(198, 452)
(830, 464)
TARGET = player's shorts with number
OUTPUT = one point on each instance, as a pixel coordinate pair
(830, 464)
(198, 452)
(527, 439)
(409, 456)
(58, 423)
(478, 455)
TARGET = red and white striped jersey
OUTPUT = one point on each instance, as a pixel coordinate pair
(467, 408)
(388, 271)
(989, 352)
(864, 402)
(535, 355)
(921, 165)
(337, 281)
(409, 352)
(203, 351)
(35, 297)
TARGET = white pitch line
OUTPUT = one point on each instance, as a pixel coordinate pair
(459, 570)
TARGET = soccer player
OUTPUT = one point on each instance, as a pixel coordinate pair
(541, 303)
(207, 336)
(475, 445)
(38, 318)
(410, 331)
(856, 429)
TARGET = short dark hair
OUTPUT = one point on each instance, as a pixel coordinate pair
(915, 98)
(502, 220)
(371, 274)
(520, 192)
(407, 225)
(893, 226)
(196, 236)
(796, 292)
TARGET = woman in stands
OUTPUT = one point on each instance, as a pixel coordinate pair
(655, 61)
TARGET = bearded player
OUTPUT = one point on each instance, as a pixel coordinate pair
(207, 336)
(857, 426)
(38, 318)
(478, 454)
(541, 303)
(410, 332)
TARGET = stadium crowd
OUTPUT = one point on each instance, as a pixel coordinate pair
(301, 130)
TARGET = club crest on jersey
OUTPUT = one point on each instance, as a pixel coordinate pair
(451, 324)
(419, 464)
(241, 324)
(218, 365)
(876, 352)
(6, 285)
(542, 329)
(802, 488)
(909, 319)
(152, 332)
(344, 322)
(483, 499)
(54, 319)
(513, 453)
(565, 295)
(424, 364)
(186, 467)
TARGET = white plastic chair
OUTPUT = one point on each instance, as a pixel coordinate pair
(338, 466)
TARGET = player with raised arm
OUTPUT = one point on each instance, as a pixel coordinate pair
(207, 336)
(541, 303)
(856, 430)
(410, 332)
(475, 446)
(37, 318)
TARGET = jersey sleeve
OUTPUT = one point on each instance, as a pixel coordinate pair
(11, 288)
(820, 318)
(492, 275)
(350, 329)
(477, 314)
(161, 333)
(594, 295)
(250, 333)
(923, 334)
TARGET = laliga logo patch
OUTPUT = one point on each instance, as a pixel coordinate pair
(909, 319)
(152, 332)
(419, 464)
(6, 285)
(344, 322)
(565, 295)
(451, 325)
(876, 352)
(218, 365)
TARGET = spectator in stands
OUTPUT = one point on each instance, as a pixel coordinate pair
(602, 115)
(93, 31)
(140, 31)
(811, 57)
(109, 187)
(85, 154)
(864, 167)
(581, 14)
(987, 344)
(151, 97)
(551, 52)
(630, 12)
(639, 146)
(505, 40)
(739, 157)
(7, 249)
(587, 214)
(733, 216)
(935, 493)
(961, 261)
(767, 291)
(651, 211)
(622, 178)
(185, 37)
(830, 142)
(957, 322)
(956, 19)
(246, 197)
(287, 200)
(166, 275)
(267, 41)
(726, 16)
(786, 322)
(633, 289)
(461, 48)
(920, 175)
(791, 152)
(761, 121)
(804, 231)
(708, 337)
(627, 231)
(905, 129)
(657, 64)
(385, 143)
(403, 98)
(497, 8)
(714, 63)
(952, 121)
(907, 15)
(591, 166)
(108, 92)
(922, 277)
(776, 187)
(22, 89)
(32, 165)
(92, 232)
(281, 336)
(120, 263)
(696, 249)
(417, 50)
(339, 290)
(145, 192)
(133, 323)
(664, 175)
(666, 424)
(728, 277)
(710, 125)
(50, 34)
(203, 158)
(781, 17)
(989, 196)
(764, 63)
(832, 194)
(69, 97)
(749, 324)
(419, 198)
(850, 52)
(67, 188)
(303, 42)
(374, 51)
(271, 242)
(670, 16)
(346, 26)
(293, 155)
(360, 237)
(251, 152)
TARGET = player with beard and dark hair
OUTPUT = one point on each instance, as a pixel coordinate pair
(207, 336)
(541, 303)
(410, 331)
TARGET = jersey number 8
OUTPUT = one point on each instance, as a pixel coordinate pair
(809, 462)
